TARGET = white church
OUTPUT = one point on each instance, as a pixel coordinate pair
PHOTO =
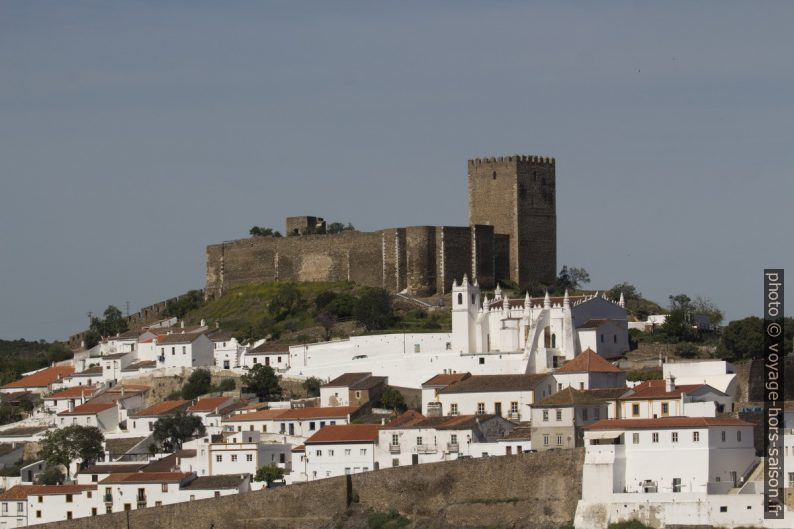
(489, 336)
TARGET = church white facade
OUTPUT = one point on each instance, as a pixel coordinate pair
(549, 330)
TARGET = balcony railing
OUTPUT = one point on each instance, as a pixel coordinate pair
(514, 416)
(453, 447)
(426, 449)
(394, 449)
(108, 498)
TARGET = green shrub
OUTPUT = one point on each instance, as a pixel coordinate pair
(644, 374)
(386, 520)
(630, 524)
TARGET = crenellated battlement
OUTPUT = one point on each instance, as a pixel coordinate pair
(533, 159)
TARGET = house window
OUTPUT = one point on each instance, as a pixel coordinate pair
(417, 348)
(665, 408)
(460, 299)
(602, 338)
(395, 462)
(545, 415)
(723, 436)
(358, 394)
(453, 409)
(38, 514)
(584, 414)
(219, 458)
(545, 439)
(655, 437)
(559, 440)
(674, 437)
(249, 457)
(395, 440)
(514, 407)
(482, 360)
(453, 439)
(635, 438)
(108, 509)
(217, 494)
(635, 410)
(68, 498)
(695, 437)
(173, 351)
(559, 386)
(480, 408)
(256, 361)
(234, 458)
(88, 494)
(363, 451)
(311, 425)
(347, 450)
(739, 436)
(419, 440)
(347, 470)
(448, 346)
(184, 349)
(282, 458)
(20, 507)
(93, 511)
(330, 453)
(164, 487)
(558, 414)
(41, 499)
(581, 386)
(5, 507)
(319, 453)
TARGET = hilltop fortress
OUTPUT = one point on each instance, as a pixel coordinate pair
(512, 234)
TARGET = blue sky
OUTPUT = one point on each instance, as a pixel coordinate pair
(135, 133)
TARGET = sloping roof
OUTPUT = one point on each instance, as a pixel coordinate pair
(567, 397)
(187, 337)
(595, 323)
(445, 379)
(116, 356)
(493, 383)
(369, 383)
(22, 431)
(520, 433)
(219, 335)
(405, 418)
(656, 389)
(145, 477)
(447, 422)
(112, 468)
(21, 492)
(128, 335)
(269, 347)
(164, 331)
(167, 463)
(588, 361)
(143, 364)
(666, 422)
(261, 415)
(346, 380)
(209, 404)
(91, 371)
(294, 414)
(42, 378)
(70, 393)
(166, 407)
(607, 393)
(89, 408)
(119, 446)
(345, 433)
(219, 481)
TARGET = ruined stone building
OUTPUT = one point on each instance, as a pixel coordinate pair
(512, 234)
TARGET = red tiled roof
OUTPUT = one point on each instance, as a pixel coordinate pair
(299, 448)
(76, 391)
(588, 361)
(21, 492)
(89, 408)
(445, 379)
(209, 404)
(408, 417)
(42, 378)
(656, 389)
(495, 383)
(345, 433)
(667, 422)
(166, 407)
(261, 415)
(294, 414)
(145, 477)
(175, 338)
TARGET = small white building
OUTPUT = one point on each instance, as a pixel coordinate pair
(352, 389)
(432, 386)
(41, 381)
(289, 425)
(142, 421)
(102, 415)
(589, 371)
(336, 451)
(719, 374)
(184, 350)
(226, 349)
(273, 354)
(212, 410)
(503, 395)
(24, 505)
(68, 398)
(234, 453)
(664, 398)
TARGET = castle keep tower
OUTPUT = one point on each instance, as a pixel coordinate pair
(516, 195)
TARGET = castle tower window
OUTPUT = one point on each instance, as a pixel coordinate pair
(460, 299)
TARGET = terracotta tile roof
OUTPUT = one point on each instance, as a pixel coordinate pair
(261, 415)
(42, 378)
(607, 393)
(656, 389)
(219, 335)
(447, 422)
(521, 433)
(567, 397)
(210, 404)
(346, 380)
(299, 448)
(406, 418)
(21, 492)
(143, 364)
(145, 477)
(588, 361)
(73, 392)
(129, 388)
(219, 481)
(89, 408)
(495, 383)
(667, 422)
(188, 337)
(116, 356)
(345, 433)
(168, 463)
(91, 371)
(445, 379)
(167, 407)
(120, 446)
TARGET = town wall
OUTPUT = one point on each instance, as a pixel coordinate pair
(537, 491)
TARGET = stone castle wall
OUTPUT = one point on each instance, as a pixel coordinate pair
(531, 490)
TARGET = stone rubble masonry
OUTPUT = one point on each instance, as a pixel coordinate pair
(511, 235)
(531, 490)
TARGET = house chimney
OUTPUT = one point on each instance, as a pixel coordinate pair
(669, 383)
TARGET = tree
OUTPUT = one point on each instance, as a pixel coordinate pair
(572, 278)
(324, 298)
(680, 301)
(707, 307)
(373, 309)
(257, 231)
(173, 430)
(91, 338)
(181, 306)
(269, 474)
(338, 227)
(263, 381)
(327, 322)
(65, 445)
(312, 386)
(50, 476)
(629, 291)
(393, 399)
(113, 323)
(198, 383)
(678, 326)
(288, 300)
(227, 384)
